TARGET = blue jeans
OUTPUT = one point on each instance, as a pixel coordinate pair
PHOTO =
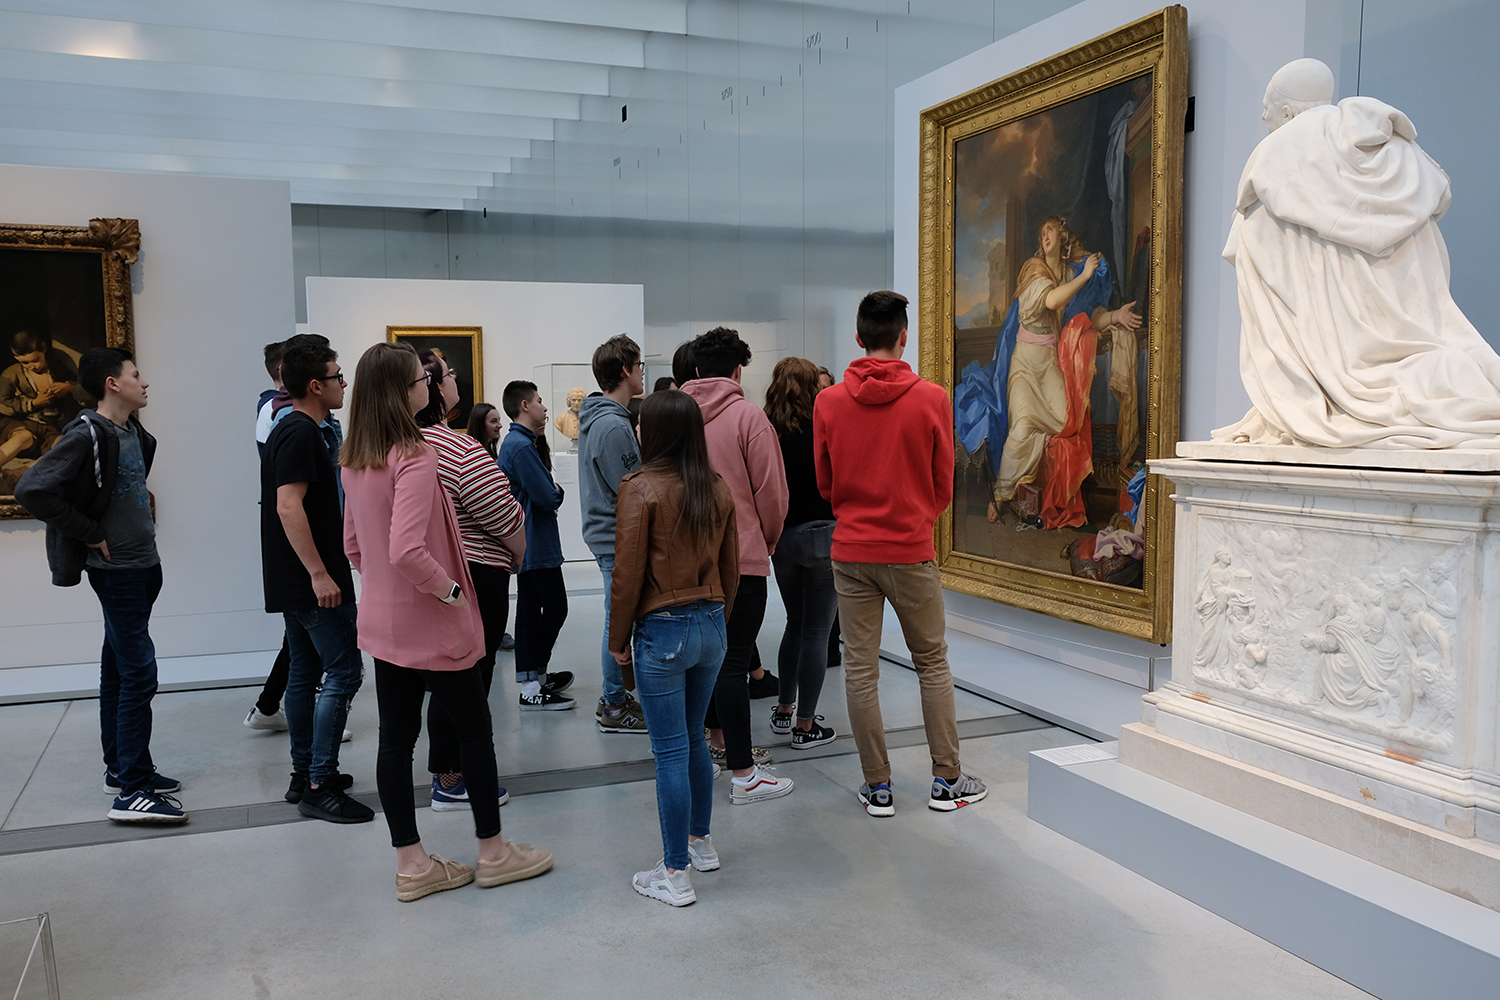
(678, 651)
(127, 671)
(614, 680)
(323, 642)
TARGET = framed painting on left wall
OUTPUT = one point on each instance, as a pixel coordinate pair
(63, 290)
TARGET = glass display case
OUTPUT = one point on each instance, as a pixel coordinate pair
(563, 388)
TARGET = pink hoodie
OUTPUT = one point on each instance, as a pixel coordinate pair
(742, 447)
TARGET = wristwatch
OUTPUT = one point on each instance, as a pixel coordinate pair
(452, 595)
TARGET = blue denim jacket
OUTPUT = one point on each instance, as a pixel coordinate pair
(531, 484)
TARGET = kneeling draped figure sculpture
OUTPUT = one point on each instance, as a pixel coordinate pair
(1350, 337)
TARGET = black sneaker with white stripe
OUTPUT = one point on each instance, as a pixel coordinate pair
(806, 739)
(147, 806)
(159, 783)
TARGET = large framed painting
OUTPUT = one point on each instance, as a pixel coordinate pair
(1051, 290)
(63, 290)
(461, 347)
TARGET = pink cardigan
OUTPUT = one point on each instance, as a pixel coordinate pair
(402, 537)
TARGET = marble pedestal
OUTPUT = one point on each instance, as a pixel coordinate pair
(1338, 628)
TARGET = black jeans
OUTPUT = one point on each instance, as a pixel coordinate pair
(127, 671)
(731, 693)
(804, 575)
(398, 692)
(492, 595)
(269, 702)
(541, 609)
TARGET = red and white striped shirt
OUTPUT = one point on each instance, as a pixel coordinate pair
(481, 495)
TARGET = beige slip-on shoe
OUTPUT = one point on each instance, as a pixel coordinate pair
(523, 862)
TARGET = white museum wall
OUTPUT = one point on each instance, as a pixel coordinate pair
(525, 324)
(209, 291)
(1087, 678)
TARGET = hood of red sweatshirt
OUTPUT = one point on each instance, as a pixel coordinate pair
(873, 381)
(713, 394)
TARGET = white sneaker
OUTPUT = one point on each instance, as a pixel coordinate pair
(758, 785)
(346, 737)
(271, 723)
(702, 854)
(672, 888)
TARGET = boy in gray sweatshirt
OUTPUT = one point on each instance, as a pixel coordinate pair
(607, 450)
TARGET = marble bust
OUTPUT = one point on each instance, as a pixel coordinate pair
(1349, 336)
(567, 421)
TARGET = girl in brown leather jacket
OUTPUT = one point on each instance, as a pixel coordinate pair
(676, 568)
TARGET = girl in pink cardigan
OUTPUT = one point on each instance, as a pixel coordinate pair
(416, 620)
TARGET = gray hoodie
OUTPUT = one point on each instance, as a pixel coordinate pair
(607, 449)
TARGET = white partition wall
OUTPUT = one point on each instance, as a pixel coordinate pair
(210, 290)
(1086, 678)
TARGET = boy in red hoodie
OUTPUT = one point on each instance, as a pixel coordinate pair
(883, 448)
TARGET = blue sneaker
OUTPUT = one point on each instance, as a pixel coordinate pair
(878, 801)
(160, 783)
(456, 798)
(147, 807)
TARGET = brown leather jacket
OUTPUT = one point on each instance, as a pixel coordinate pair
(656, 563)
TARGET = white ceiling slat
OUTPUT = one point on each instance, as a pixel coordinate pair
(21, 65)
(346, 21)
(270, 54)
(329, 196)
(668, 16)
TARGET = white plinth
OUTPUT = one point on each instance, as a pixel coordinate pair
(1340, 628)
(1446, 460)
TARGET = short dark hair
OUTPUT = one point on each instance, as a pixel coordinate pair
(880, 320)
(612, 358)
(515, 394)
(302, 363)
(684, 370)
(665, 382)
(29, 342)
(274, 353)
(99, 364)
(718, 352)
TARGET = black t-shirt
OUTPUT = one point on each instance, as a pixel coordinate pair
(296, 453)
(804, 502)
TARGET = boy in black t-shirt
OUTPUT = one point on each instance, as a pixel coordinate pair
(308, 580)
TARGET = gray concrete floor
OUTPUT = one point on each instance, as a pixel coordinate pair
(815, 899)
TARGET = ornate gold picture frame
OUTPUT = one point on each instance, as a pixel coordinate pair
(462, 347)
(1051, 296)
(63, 290)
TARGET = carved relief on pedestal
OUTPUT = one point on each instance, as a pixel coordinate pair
(1330, 624)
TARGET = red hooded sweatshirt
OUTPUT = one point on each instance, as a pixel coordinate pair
(883, 447)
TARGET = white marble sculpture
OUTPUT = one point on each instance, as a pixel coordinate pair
(1349, 335)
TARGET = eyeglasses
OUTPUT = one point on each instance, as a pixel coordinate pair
(424, 377)
(450, 373)
(339, 376)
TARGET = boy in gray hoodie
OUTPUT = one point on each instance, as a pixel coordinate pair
(607, 450)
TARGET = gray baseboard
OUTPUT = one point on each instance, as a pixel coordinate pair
(1387, 934)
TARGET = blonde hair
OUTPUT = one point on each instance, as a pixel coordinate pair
(380, 416)
(789, 398)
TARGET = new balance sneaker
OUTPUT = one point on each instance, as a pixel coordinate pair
(630, 703)
(760, 784)
(546, 702)
(877, 800)
(275, 723)
(147, 807)
(950, 795)
(767, 687)
(441, 874)
(557, 681)
(702, 854)
(629, 719)
(816, 736)
(781, 722)
(672, 888)
(297, 787)
(333, 805)
(523, 862)
(758, 756)
(455, 799)
(159, 784)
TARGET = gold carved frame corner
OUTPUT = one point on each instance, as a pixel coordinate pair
(1157, 44)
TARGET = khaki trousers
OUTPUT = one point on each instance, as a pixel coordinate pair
(915, 591)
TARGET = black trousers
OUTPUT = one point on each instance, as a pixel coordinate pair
(269, 701)
(492, 595)
(731, 693)
(541, 609)
(398, 692)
